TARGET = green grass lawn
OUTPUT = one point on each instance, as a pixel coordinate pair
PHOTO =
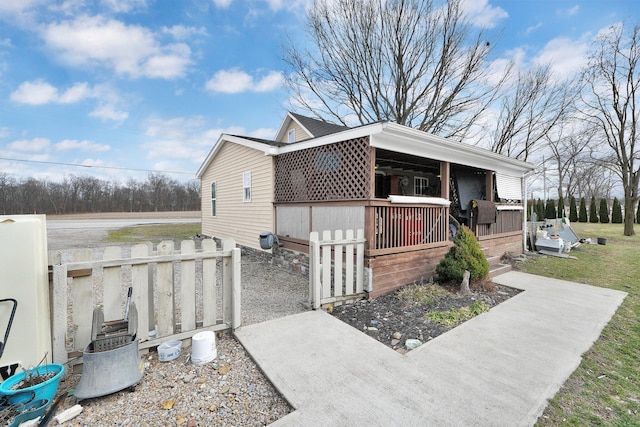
(154, 233)
(605, 389)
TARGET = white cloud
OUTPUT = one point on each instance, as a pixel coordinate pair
(565, 56)
(533, 28)
(180, 32)
(263, 133)
(176, 128)
(271, 81)
(84, 145)
(222, 4)
(11, 7)
(37, 92)
(124, 6)
(569, 12)
(4, 132)
(107, 111)
(6, 42)
(482, 14)
(75, 93)
(31, 145)
(237, 81)
(126, 49)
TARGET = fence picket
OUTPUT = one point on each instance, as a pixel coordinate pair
(227, 271)
(83, 303)
(326, 264)
(142, 291)
(209, 284)
(349, 288)
(188, 287)
(337, 269)
(112, 285)
(166, 313)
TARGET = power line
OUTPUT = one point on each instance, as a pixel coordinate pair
(92, 166)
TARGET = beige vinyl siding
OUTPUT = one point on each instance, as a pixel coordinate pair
(239, 220)
(300, 132)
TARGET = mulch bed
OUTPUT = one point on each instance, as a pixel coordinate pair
(387, 315)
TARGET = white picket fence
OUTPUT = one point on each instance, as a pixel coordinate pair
(338, 278)
(178, 304)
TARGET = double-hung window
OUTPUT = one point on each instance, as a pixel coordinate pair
(246, 187)
(420, 185)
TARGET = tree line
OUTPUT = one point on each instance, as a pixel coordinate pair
(82, 194)
(577, 211)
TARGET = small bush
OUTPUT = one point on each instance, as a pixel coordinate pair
(465, 254)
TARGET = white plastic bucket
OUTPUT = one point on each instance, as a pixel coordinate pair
(203, 347)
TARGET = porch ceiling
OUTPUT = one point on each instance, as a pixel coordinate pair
(395, 160)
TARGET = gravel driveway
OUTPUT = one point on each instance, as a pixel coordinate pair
(231, 390)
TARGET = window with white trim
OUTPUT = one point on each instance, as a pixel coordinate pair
(291, 136)
(420, 186)
(213, 198)
(246, 187)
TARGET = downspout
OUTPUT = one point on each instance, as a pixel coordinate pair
(524, 216)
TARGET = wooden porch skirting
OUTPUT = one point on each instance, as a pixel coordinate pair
(389, 272)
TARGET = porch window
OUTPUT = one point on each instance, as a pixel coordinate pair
(246, 187)
(213, 198)
(420, 186)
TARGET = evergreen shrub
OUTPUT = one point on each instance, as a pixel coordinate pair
(465, 254)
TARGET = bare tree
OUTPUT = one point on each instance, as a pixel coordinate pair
(534, 104)
(612, 79)
(418, 63)
(569, 151)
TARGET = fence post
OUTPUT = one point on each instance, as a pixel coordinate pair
(236, 314)
(314, 270)
(227, 281)
(360, 260)
(337, 273)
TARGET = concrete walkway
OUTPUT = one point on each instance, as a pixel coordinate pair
(498, 369)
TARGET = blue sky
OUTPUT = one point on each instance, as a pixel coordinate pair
(151, 84)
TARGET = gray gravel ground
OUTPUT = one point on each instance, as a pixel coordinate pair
(231, 390)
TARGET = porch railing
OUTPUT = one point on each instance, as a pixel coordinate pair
(508, 219)
(394, 227)
(181, 291)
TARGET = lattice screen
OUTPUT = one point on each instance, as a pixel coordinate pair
(337, 171)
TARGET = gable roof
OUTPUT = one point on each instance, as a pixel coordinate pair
(313, 127)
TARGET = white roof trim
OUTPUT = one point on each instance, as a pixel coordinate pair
(268, 150)
(285, 124)
(394, 137)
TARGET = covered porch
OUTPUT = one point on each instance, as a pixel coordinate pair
(409, 205)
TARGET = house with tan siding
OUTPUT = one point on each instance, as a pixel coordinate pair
(407, 189)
